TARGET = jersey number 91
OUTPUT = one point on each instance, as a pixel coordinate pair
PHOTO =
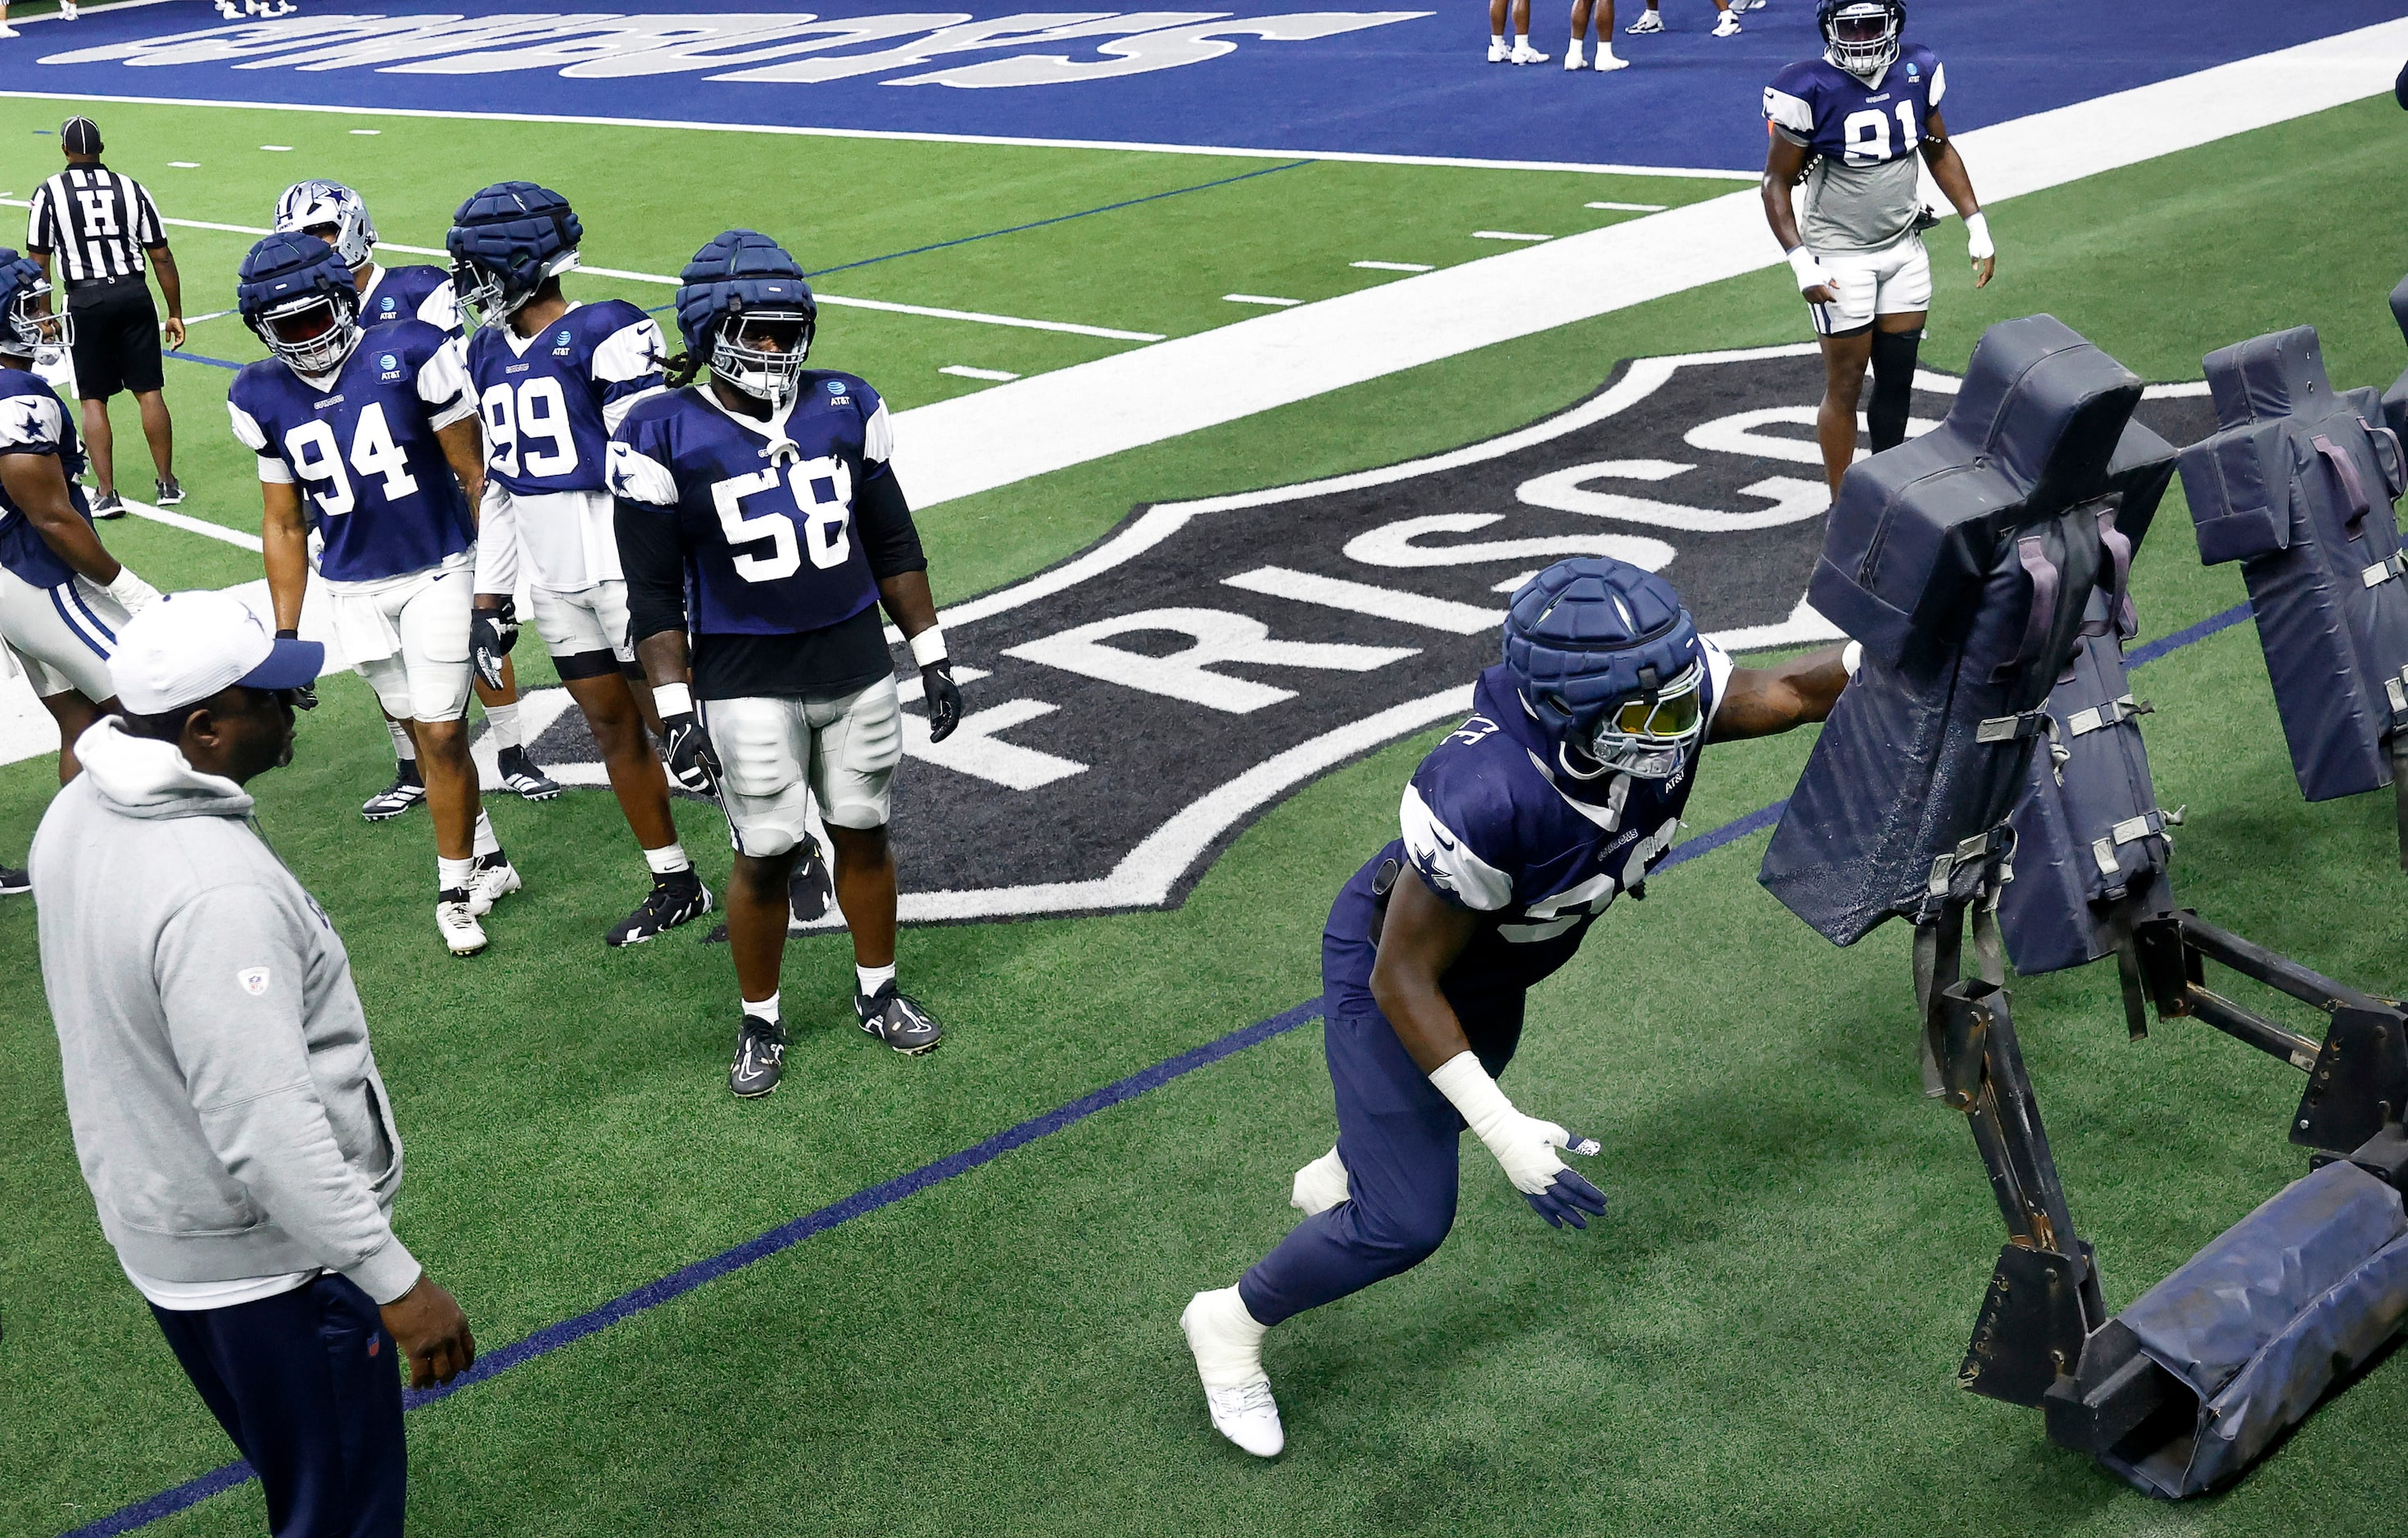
(826, 536)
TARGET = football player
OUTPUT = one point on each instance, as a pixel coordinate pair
(1522, 52)
(1605, 55)
(339, 217)
(370, 436)
(1849, 124)
(62, 597)
(1559, 792)
(552, 377)
(1652, 19)
(762, 527)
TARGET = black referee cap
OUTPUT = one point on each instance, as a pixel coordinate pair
(81, 136)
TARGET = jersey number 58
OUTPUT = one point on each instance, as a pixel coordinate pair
(825, 520)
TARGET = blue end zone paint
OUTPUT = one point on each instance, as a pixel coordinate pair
(678, 1283)
(1415, 87)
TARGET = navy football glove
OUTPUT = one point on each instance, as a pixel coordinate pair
(305, 698)
(492, 633)
(945, 698)
(694, 762)
(1572, 1194)
(1527, 1149)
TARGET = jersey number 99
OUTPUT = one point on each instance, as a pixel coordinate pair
(826, 535)
(534, 413)
(311, 450)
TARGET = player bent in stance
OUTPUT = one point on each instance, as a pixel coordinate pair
(764, 493)
(371, 437)
(1561, 789)
(1848, 125)
(62, 597)
(552, 377)
(339, 217)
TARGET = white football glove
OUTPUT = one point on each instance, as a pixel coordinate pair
(1977, 238)
(1811, 273)
(131, 591)
(1526, 1147)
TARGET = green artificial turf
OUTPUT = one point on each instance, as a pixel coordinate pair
(1762, 1338)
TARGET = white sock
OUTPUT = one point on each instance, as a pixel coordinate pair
(1604, 52)
(763, 1009)
(667, 860)
(1522, 39)
(1495, 39)
(402, 748)
(503, 721)
(486, 844)
(453, 875)
(1571, 56)
(1229, 1352)
(874, 978)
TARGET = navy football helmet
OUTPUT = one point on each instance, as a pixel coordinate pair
(296, 292)
(26, 322)
(505, 241)
(744, 306)
(1610, 664)
(1861, 37)
(310, 205)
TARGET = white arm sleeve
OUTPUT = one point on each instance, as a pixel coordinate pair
(252, 436)
(1445, 859)
(641, 478)
(443, 385)
(440, 308)
(878, 437)
(1795, 113)
(630, 352)
(498, 540)
(1718, 671)
(1939, 82)
(32, 422)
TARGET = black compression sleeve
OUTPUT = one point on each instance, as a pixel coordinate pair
(653, 558)
(1893, 365)
(889, 539)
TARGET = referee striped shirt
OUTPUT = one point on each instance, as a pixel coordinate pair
(97, 221)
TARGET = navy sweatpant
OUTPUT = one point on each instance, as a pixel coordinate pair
(1396, 1136)
(307, 1384)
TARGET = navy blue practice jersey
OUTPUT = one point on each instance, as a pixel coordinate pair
(33, 421)
(412, 294)
(1494, 825)
(362, 448)
(1840, 117)
(551, 400)
(764, 508)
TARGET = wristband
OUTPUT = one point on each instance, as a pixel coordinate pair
(928, 647)
(1977, 236)
(1810, 272)
(288, 635)
(1473, 1093)
(672, 699)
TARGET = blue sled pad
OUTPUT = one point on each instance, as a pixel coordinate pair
(2259, 1325)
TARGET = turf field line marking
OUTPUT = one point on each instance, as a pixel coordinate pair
(1394, 267)
(1057, 219)
(185, 164)
(1231, 151)
(1460, 619)
(962, 370)
(1627, 208)
(181, 356)
(190, 524)
(688, 1278)
(1508, 235)
(1259, 299)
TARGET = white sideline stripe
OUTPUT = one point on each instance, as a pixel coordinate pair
(964, 370)
(1070, 416)
(1387, 603)
(277, 149)
(1134, 147)
(185, 164)
(840, 301)
(1507, 235)
(1395, 266)
(190, 524)
(1629, 207)
(1259, 299)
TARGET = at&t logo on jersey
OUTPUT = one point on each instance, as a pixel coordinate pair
(386, 305)
(388, 366)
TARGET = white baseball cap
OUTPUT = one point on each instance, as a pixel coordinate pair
(188, 646)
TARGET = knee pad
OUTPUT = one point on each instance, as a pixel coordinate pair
(1893, 369)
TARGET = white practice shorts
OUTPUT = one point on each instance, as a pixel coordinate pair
(62, 635)
(594, 619)
(408, 638)
(1895, 280)
(777, 752)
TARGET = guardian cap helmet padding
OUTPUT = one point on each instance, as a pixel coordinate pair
(1609, 665)
(739, 286)
(26, 324)
(285, 281)
(1861, 37)
(505, 241)
(307, 206)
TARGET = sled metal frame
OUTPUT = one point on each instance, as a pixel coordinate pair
(2042, 1337)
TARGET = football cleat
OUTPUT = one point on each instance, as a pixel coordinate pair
(13, 882)
(406, 791)
(1728, 26)
(760, 1055)
(1498, 54)
(456, 920)
(109, 505)
(899, 1020)
(1524, 54)
(520, 777)
(167, 491)
(1648, 21)
(677, 898)
(1228, 1349)
(810, 890)
(1319, 1186)
(494, 880)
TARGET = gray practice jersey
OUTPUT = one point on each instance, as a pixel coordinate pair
(1863, 189)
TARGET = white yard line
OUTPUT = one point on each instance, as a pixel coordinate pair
(1627, 208)
(1260, 299)
(190, 524)
(1395, 266)
(1070, 416)
(1507, 235)
(962, 370)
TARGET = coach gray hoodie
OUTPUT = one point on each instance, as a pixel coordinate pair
(225, 1105)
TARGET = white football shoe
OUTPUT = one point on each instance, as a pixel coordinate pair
(1228, 1347)
(1728, 26)
(1319, 1186)
(456, 920)
(1648, 21)
(492, 884)
(1608, 62)
(1498, 55)
(6, 30)
(1524, 54)
(66, 10)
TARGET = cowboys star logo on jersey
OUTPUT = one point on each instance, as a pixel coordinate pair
(1133, 709)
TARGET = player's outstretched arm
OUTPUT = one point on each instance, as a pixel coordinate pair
(1761, 701)
(39, 487)
(284, 543)
(1784, 161)
(1948, 173)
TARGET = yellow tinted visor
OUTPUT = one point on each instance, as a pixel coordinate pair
(1669, 716)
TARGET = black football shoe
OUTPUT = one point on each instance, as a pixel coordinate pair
(678, 898)
(899, 1020)
(406, 791)
(760, 1055)
(14, 883)
(810, 890)
(521, 777)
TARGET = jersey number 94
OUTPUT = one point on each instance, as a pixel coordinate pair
(317, 460)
